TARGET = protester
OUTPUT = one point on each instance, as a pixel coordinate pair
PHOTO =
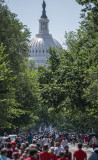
(45, 140)
(40, 141)
(23, 157)
(79, 154)
(52, 142)
(15, 156)
(9, 150)
(39, 148)
(57, 145)
(52, 152)
(86, 140)
(27, 152)
(73, 139)
(33, 154)
(62, 156)
(94, 142)
(3, 155)
(58, 149)
(67, 153)
(23, 146)
(64, 142)
(44, 155)
(13, 148)
(94, 155)
(29, 138)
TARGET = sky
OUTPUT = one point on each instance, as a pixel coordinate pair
(64, 15)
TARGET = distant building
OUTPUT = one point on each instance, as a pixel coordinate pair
(40, 44)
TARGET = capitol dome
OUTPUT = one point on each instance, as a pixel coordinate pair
(40, 45)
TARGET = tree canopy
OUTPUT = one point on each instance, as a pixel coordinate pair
(18, 85)
(62, 93)
(69, 82)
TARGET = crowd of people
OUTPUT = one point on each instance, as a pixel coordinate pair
(42, 147)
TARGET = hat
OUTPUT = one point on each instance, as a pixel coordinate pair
(23, 144)
(52, 148)
(13, 143)
(32, 145)
(27, 149)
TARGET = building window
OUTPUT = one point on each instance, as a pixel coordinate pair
(36, 51)
(43, 51)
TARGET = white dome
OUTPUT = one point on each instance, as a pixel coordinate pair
(39, 49)
(44, 43)
(40, 45)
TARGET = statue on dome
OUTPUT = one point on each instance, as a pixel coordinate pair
(44, 5)
(44, 11)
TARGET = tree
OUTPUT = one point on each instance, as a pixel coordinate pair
(90, 21)
(15, 38)
(6, 89)
(70, 80)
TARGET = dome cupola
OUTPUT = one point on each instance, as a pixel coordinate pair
(43, 23)
(43, 41)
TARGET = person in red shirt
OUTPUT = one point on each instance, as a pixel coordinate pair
(62, 156)
(79, 154)
(94, 142)
(44, 155)
(51, 151)
(68, 154)
(13, 147)
(9, 151)
(86, 140)
(33, 154)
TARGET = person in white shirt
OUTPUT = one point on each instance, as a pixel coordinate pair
(44, 141)
(64, 143)
(40, 141)
(58, 149)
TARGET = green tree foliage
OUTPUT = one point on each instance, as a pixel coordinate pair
(6, 89)
(90, 21)
(64, 85)
(90, 6)
(14, 35)
(64, 92)
(69, 81)
(15, 38)
(69, 120)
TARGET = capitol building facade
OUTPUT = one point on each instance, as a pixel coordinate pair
(40, 45)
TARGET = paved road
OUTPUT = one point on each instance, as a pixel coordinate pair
(88, 150)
